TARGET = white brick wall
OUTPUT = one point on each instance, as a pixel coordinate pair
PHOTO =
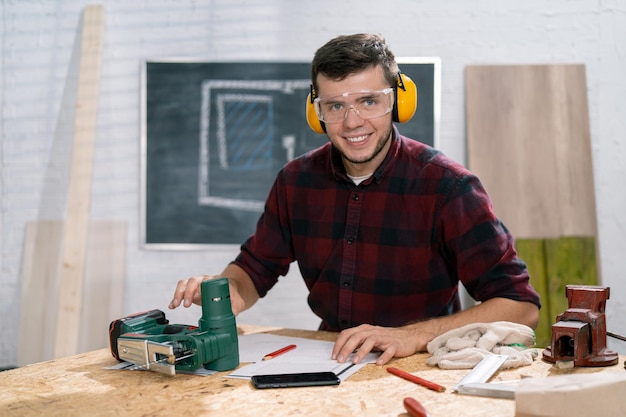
(38, 77)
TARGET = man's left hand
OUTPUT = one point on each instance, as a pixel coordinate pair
(393, 342)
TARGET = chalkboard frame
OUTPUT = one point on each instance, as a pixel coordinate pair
(229, 213)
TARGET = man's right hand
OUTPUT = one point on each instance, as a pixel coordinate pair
(187, 292)
(242, 291)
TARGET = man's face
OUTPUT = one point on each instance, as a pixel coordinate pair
(363, 143)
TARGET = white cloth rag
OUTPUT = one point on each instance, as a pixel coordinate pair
(466, 346)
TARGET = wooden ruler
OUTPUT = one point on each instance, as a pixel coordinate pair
(74, 241)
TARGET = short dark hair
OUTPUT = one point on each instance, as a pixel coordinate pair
(348, 54)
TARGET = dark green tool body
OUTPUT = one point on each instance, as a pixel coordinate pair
(149, 341)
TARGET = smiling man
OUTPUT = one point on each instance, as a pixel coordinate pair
(383, 227)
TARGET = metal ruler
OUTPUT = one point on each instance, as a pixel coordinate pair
(493, 390)
(482, 371)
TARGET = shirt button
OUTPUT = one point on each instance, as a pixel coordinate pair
(346, 284)
(350, 241)
(355, 197)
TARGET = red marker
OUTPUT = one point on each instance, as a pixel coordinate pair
(414, 408)
(278, 352)
(416, 379)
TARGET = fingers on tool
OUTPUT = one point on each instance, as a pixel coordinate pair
(414, 408)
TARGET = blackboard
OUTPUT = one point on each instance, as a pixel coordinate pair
(214, 135)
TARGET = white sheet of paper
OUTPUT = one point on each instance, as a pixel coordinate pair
(309, 356)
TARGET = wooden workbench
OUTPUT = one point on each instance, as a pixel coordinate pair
(80, 386)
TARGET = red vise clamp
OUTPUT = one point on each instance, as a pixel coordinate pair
(579, 334)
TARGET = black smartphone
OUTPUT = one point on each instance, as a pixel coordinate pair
(305, 379)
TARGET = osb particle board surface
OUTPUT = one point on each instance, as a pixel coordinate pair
(79, 385)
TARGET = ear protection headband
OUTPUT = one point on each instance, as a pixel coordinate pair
(403, 109)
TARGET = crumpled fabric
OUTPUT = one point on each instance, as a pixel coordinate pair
(465, 347)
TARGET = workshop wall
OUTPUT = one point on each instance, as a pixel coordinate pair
(38, 41)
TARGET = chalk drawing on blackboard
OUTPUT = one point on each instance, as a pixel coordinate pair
(236, 140)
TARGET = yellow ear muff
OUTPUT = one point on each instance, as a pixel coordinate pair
(406, 99)
(311, 117)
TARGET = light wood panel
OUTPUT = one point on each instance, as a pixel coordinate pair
(529, 142)
(105, 278)
(103, 289)
(40, 271)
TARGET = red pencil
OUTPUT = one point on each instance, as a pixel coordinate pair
(278, 352)
(414, 408)
(416, 379)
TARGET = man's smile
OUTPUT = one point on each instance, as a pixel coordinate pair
(357, 139)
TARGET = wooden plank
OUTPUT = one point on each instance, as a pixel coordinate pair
(529, 142)
(532, 251)
(103, 291)
(40, 271)
(552, 264)
(76, 226)
(570, 260)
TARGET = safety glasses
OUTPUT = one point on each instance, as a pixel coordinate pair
(366, 104)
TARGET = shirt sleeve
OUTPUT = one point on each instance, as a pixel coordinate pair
(479, 245)
(267, 254)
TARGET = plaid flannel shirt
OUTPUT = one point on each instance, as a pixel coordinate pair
(391, 250)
